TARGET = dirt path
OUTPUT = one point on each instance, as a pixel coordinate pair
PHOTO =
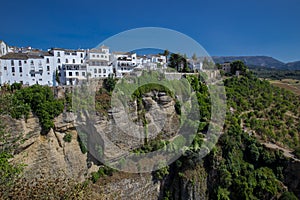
(286, 152)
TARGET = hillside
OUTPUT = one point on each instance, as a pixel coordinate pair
(293, 65)
(246, 163)
(259, 61)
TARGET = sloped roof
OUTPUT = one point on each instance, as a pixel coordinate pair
(25, 56)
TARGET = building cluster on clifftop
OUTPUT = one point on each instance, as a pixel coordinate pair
(59, 66)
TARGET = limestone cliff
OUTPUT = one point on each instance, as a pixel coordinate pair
(48, 155)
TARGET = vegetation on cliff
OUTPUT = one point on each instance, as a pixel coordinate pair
(240, 166)
(38, 99)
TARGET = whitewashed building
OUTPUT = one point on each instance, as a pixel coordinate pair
(98, 62)
(195, 65)
(123, 63)
(159, 59)
(69, 65)
(4, 48)
(27, 68)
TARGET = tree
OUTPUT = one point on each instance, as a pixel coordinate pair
(237, 66)
(109, 84)
(194, 57)
(166, 53)
(223, 194)
(178, 62)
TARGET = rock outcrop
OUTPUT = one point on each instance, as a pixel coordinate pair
(48, 155)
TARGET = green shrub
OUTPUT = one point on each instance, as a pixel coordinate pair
(103, 171)
(68, 137)
(40, 100)
(82, 140)
(177, 107)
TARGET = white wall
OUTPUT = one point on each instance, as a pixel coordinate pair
(28, 71)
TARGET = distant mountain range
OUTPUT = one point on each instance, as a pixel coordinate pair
(259, 61)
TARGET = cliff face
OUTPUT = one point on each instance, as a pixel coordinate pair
(126, 186)
(191, 184)
(48, 155)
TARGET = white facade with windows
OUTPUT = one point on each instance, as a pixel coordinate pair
(123, 63)
(98, 62)
(69, 65)
(27, 68)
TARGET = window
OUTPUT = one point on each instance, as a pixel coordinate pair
(48, 68)
(73, 60)
(99, 70)
(101, 56)
(20, 63)
(81, 61)
(40, 79)
(97, 56)
(31, 62)
(77, 73)
(12, 63)
(58, 54)
(95, 71)
(104, 71)
(47, 60)
(83, 73)
(32, 75)
(59, 68)
(59, 74)
(93, 56)
(12, 69)
(70, 74)
(67, 60)
(25, 61)
(58, 60)
(5, 68)
(20, 69)
(81, 55)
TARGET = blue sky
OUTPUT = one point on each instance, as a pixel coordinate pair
(222, 27)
